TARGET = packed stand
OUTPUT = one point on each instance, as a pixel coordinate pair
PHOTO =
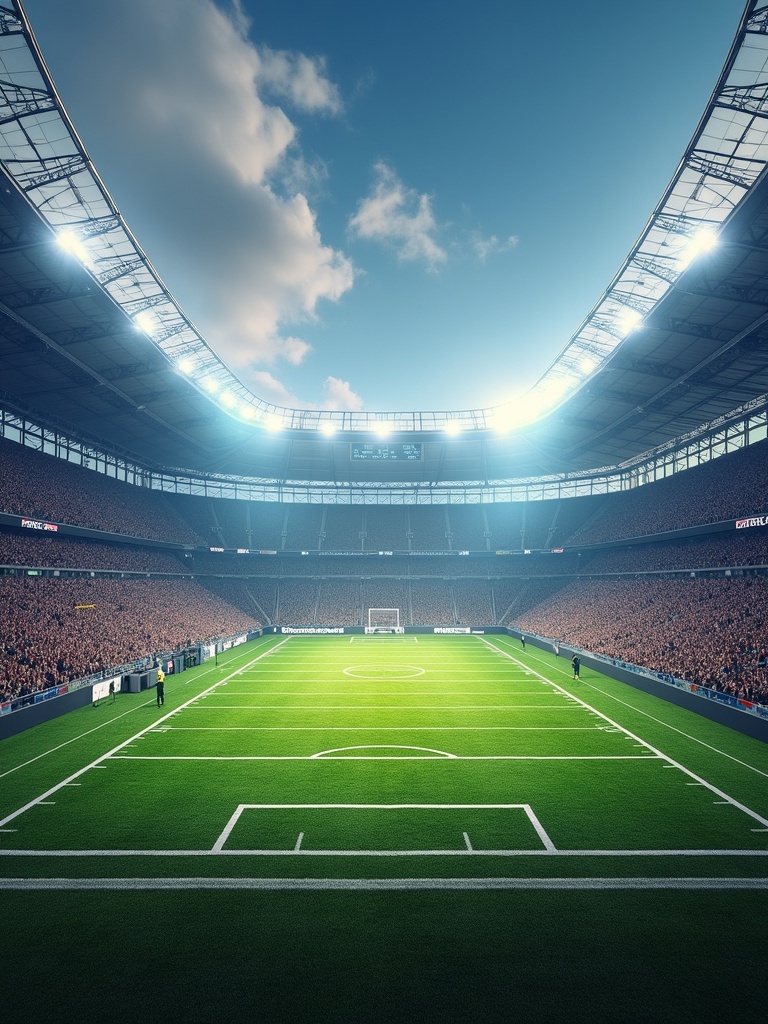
(39, 486)
(56, 630)
(731, 487)
(707, 631)
(44, 551)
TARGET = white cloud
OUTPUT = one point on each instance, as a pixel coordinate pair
(188, 114)
(339, 395)
(272, 390)
(485, 247)
(301, 80)
(398, 216)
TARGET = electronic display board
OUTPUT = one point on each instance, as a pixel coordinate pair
(411, 452)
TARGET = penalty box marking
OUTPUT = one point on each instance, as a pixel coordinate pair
(549, 846)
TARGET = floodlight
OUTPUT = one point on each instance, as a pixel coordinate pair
(273, 422)
(587, 364)
(186, 365)
(703, 241)
(71, 243)
(382, 429)
(145, 322)
(228, 400)
(211, 385)
(453, 428)
(328, 428)
(627, 320)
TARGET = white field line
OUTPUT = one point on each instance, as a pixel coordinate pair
(370, 728)
(377, 707)
(660, 721)
(94, 764)
(648, 746)
(249, 707)
(382, 746)
(88, 732)
(325, 757)
(377, 728)
(549, 847)
(502, 691)
(385, 853)
(381, 884)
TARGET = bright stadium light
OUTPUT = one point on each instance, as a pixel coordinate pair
(273, 422)
(382, 429)
(453, 428)
(228, 400)
(627, 320)
(587, 364)
(145, 322)
(328, 428)
(72, 244)
(186, 365)
(705, 240)
(211, 385)
(528, 408)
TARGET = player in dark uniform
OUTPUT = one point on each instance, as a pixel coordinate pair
(576, 663)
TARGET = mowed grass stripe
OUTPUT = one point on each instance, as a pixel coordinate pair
(585, 800)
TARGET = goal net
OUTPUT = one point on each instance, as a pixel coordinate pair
(384, 620)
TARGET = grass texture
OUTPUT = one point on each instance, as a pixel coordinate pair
(377, 829)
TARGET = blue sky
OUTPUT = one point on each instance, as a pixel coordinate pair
(383, 206)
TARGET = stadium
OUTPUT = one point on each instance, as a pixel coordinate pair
(480, 696)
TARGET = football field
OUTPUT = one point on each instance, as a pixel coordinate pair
(407, 813)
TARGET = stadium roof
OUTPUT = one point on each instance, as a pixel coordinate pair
(76, 354)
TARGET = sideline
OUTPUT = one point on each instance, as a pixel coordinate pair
(670, 760)
(96, 728)
(660, 721)
(120, 746)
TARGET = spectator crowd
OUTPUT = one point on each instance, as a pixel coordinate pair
(624, 603)
(56, 630)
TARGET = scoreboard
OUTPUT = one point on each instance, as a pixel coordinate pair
(385, 452)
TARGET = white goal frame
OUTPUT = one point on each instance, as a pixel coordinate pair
(384, 620)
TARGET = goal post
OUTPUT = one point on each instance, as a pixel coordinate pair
(384, 620)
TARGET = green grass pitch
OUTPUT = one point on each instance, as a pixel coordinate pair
(384, 828)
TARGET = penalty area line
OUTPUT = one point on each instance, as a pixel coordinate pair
(369, 884)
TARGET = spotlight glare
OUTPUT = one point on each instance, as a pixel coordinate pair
(627, 320)
(145, 322)
(72, 244)
(703, 241)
